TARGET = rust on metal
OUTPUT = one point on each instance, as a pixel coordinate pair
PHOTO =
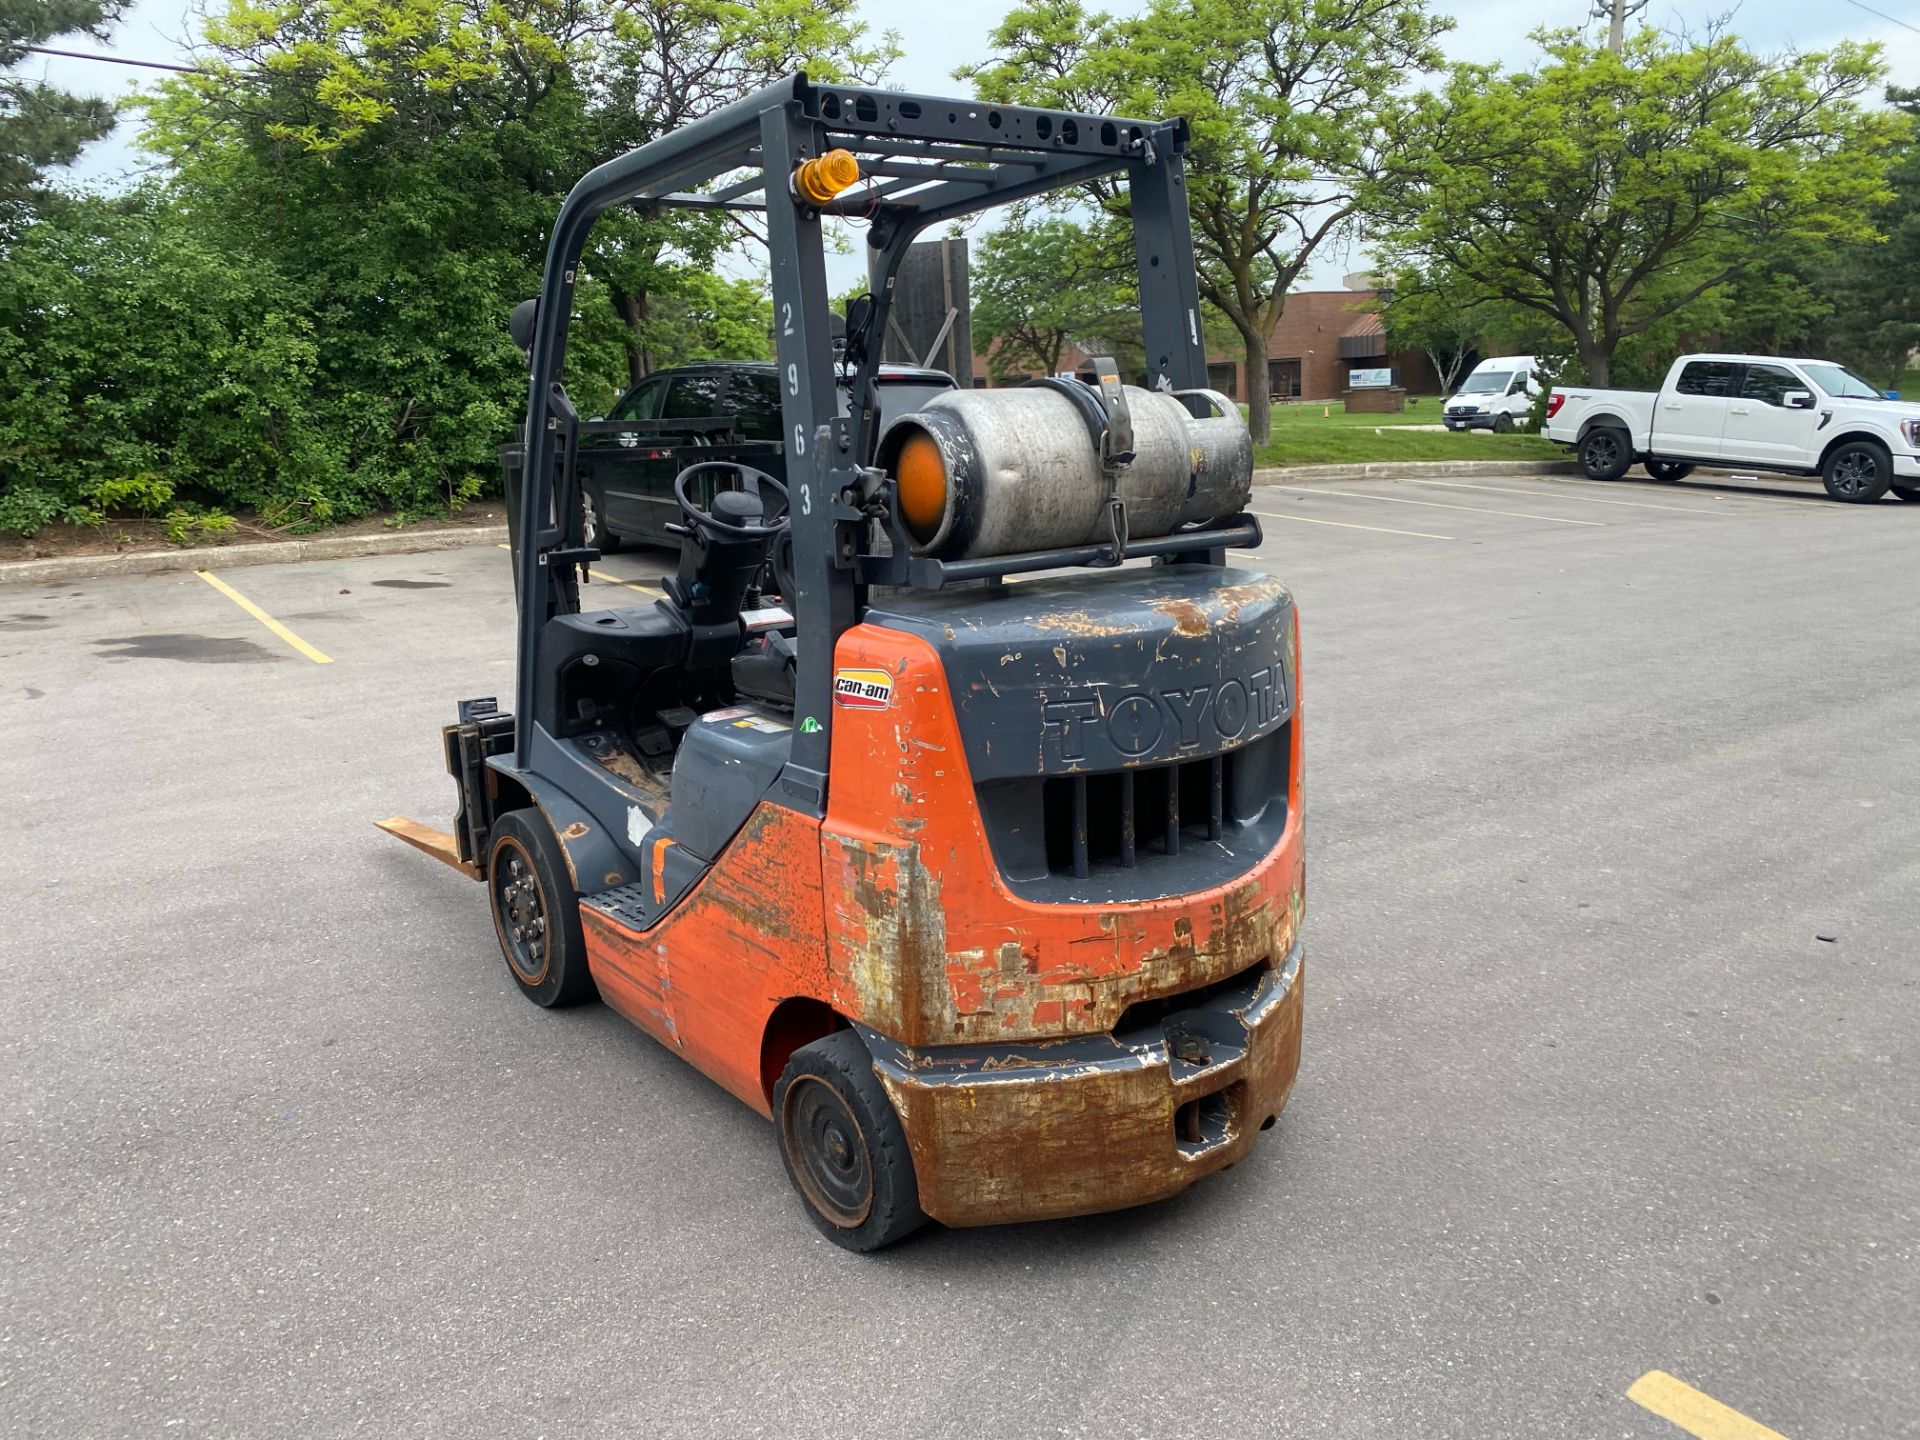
(927, 944)
(649, 787)
(1188, 618)
(1035, 1140)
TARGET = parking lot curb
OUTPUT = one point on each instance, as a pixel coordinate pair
(228, 557)
(1412, 469)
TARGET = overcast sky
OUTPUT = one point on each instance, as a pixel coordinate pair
(935, 38)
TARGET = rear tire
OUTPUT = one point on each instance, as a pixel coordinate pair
(1605, 453)
(843, 1147)
(1907, 493)
(536, 914)
(1668, 469)
(1858, 472)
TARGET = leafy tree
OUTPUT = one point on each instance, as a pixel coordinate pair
(144, 368)
(549, 88)
(699, 315)
(1038, 286)
(1443, 317)
(42, 127)
(1874, 290)
(1858, 303)
(1611, 192)
(1286, 98)
(379, 179)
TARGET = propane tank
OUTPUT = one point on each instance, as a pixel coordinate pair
(998, 472)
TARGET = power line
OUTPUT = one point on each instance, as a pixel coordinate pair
(109, 59)
(1891, 20)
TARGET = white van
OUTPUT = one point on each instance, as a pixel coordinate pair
(1496, 396)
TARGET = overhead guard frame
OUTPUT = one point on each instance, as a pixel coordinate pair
(932, 160)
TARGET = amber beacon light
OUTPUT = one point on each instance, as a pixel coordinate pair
(818, 180)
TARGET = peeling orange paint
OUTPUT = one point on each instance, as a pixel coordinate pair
(928, 945)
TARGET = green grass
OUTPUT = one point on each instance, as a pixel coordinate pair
(1304, 435)
(1909, 386)
(1308, 413)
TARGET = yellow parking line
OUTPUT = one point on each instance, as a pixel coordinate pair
(1571, 495)
(264, 618)
(1693, 1412)
(1431, 504)
(1344, 525)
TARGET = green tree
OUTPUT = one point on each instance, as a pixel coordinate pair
(703, 316)
(541, 90)
(1037, 286)
(1858, 303)
(308, 317)
(1445, 318)
(42, 127)
(1873, 291)
(145, 368)
(1611, 192)
(380, 177)
(1287, 100)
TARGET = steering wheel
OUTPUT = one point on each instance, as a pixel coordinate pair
(739, 524)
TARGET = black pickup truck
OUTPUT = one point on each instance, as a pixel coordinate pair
(719, 410)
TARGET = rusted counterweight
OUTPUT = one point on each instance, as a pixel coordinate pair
(997, 472)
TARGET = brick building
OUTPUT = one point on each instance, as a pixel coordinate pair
(1322, 336)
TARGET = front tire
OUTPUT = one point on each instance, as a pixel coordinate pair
(1605, 453)
(593, 531)
(1668, 469)
(536, 915)
(1503, 424)
(843, 1147)
(1858, 472)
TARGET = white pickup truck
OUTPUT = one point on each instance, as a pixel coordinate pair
(1749, 412)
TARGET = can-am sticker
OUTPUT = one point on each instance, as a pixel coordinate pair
(862, 689)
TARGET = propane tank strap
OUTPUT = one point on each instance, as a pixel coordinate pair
(1088, 403)
(1118, 448)
(1109, 422)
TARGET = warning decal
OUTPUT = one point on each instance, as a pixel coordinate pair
(862, 689)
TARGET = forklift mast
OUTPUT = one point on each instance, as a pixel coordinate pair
(925, 161)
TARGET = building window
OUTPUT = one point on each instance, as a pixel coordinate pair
(1283, 379)
(1224, 376)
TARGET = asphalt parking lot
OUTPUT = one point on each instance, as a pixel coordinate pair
(1611, 1054)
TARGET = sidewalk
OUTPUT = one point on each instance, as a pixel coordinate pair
(228, 557)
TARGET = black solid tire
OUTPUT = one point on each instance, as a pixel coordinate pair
(593, 530)
(1668, 469)
(843, 1147)
(1858, 472)
(1503, 424)
(536, 914)
(1605, 453)
(1908, 493)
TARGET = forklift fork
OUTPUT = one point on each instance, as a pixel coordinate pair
(481, 731)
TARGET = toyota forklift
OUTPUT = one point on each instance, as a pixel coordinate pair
(969, 852)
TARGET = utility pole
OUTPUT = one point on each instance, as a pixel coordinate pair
(1616, 13)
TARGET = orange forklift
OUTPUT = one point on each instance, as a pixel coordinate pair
(964, 839)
